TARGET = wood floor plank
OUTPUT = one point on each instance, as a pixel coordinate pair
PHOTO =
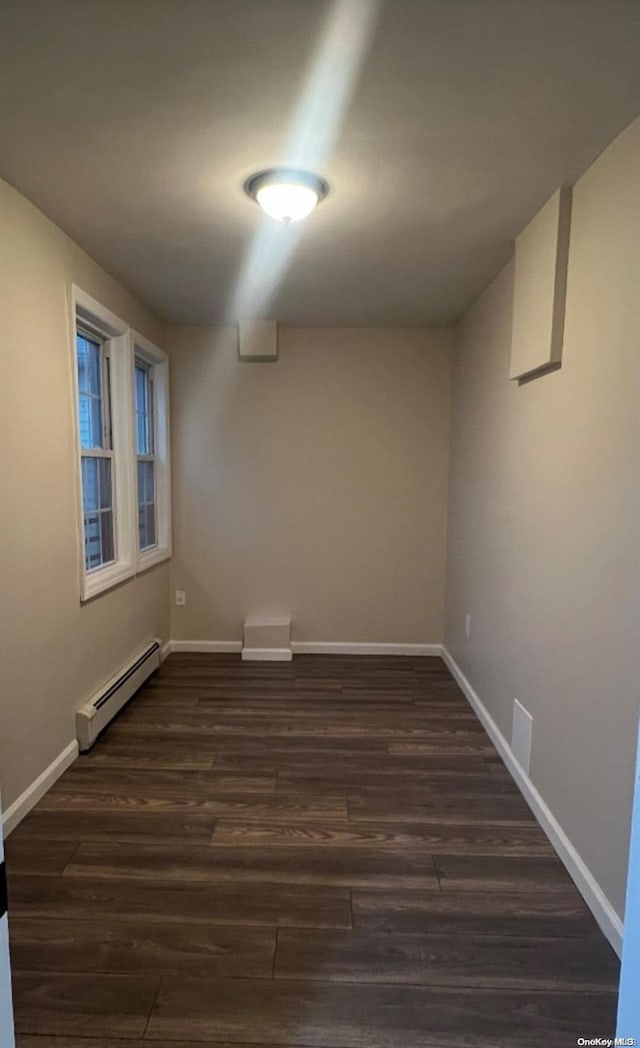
(163, 947)
(159, 720)
(119, 744)
(468, 838)
(419, 959)
(402, 770)
(47, 1041)
(302, 716)
(81, 1005)
(157, 782)
(439, 743)
(482, 807)
(144, 759)
(25, 854)
(217, 804)
(264, 905)
(126, 826)
(202, 722)
(123, 802)
(349, 867)
(534, 913)
(280, 806)
(304, 703)
(421, 784)
(234, 781)
(440, 694)
(268, 1011)
(204, 801)
(283, 748)
(501, 873)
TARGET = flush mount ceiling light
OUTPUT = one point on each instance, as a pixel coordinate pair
(288, 196)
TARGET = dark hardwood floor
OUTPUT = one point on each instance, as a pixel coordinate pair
(322, 853)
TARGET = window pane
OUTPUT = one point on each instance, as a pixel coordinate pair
(143, 442)
(97, 500)
(90, 407)
(90, 484)
(151, 524)
(146, 482)
(142, 486)
(107, 537)
(142, 527)
(147, 525)
(90, 415)
(105, 484)
(92, 545)
(146, 504)
(88, 365)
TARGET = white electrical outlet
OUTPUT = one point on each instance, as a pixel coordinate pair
(467, 625)
(181, 598)
(521, 734)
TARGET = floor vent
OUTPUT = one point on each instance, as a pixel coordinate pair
(94, 716)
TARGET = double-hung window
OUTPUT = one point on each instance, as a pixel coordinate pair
(121, 385)
(151, 403)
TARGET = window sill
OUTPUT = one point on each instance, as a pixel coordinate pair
(105, 578)
(153, 556)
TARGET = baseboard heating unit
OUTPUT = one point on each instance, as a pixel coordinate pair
(94, 716)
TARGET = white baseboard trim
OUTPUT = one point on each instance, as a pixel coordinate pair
(165, 650)
(312, 647)
(267, 654)
(307, 647)
(16, 812)
(608, 920)
(204, 646)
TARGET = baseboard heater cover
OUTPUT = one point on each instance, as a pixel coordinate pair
(94, 716)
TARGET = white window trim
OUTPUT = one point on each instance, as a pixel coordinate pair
(86, 309)
(159, 362)
(124, 343)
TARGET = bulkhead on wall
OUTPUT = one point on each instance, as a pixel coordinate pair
(258, 340)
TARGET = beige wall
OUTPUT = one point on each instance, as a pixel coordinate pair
(54, 651)
(544, 536)
(314, 486)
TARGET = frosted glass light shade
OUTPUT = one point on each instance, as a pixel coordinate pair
(286, 196)
(287, 202)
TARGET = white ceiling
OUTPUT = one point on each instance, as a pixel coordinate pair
(133, 124)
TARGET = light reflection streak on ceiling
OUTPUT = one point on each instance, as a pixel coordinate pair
(315, 127)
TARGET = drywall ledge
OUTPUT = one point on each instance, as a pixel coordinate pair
(267, 640)
(540, 289)
(608, 920)
(27, 800)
